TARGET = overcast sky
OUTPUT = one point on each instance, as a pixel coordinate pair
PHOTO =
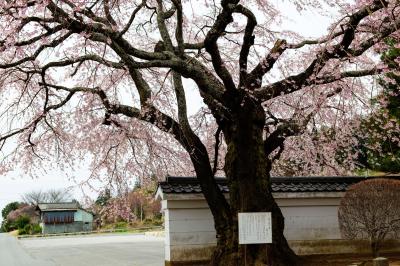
(13, 187)
(15, 184)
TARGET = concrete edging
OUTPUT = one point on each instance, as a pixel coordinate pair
(108, 231)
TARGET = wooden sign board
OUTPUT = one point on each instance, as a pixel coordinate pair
(255, 227)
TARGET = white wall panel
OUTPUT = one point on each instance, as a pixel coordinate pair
(189, 223)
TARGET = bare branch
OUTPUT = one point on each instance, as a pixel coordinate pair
(132, 18)
(53, 43)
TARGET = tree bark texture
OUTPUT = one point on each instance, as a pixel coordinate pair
(246, 167)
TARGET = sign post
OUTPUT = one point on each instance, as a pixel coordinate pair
(255, 228)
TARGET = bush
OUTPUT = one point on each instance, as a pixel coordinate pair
(147, 221)
(158, 216)
(36, 229)
(371, 210)
(154, 221)
(21, 222)
(26, 230)
(121, 225)
(30, 229)
(21, 232)
(158, 222)
(5, 226)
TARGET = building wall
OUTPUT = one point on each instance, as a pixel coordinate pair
(83, 216)
(66, 228)
(188, 230)
(83, 221)
(190, 233)
(311, 218)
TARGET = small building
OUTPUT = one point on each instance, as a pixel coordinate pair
(64, 217)
(309, 205)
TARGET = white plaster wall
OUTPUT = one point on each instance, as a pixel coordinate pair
(310, 218)
(189, 223)
(167, 242)
(187, 229)
(311, 222)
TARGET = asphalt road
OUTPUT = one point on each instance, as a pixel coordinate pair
(103, 250)
(13, 254)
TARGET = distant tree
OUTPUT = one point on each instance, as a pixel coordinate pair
(380, 149)
(52, 195)
(390, 161)
(9, 208)
(116, 210)
(136, 205)
(34, 197)
(141, 199)
(24, 210)
(103, 197)
(12, 214)
(6, 226)
(377, 132)
(371, 210)
(58, 195)
(391, 83)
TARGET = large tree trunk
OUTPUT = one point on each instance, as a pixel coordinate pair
(374, 243)
(246, 167)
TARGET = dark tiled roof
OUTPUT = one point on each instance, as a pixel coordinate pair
(58, 206)
(279, 184)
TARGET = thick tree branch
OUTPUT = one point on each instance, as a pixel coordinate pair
(106, 5)
(205, 80)
(256, 75)
(288, 128)
(210, 43)
(347, 74)
(248, 41)
(338, 51)
(194, 46)
(162, 27)
(216, 149)
(292, 127)
(81, 59)
(181, 102)
(179, 27)
(312, 42)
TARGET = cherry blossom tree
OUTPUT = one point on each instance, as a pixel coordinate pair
(116, 210)
(105, 83)
(24, 210)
